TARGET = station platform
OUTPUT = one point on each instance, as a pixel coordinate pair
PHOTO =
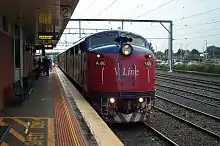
(55, 115)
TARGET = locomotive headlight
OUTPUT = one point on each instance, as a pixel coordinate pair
(112, 100)
(140, 99)
(148, 63)
(126, 49)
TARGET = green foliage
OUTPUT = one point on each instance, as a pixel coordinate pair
(151, 47)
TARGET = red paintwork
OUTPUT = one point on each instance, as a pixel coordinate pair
(108, 82)
(7, 69)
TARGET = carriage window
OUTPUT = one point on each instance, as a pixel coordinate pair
(72, 51)
(76, 49)
(103, 39)
(137, 40)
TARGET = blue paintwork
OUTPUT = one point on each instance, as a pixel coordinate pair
(114, 49)
(87, 43)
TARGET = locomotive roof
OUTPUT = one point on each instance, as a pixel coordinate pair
(116, 31)
(94, 34)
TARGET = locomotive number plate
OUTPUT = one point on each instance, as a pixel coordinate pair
(100, 62)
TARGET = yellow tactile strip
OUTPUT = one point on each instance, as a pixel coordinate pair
(102, 133)
(29, 131)
(67, 128)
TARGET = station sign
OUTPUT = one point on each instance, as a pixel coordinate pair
(48, 46)
(65, 13)
(44, 46)
(48, 35)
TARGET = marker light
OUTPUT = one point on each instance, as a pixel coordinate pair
(148, 56)
(112, 100)
(126, 49)
(141, 99)
(98, 55)
(148, 63)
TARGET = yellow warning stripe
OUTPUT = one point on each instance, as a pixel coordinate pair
(50, 134)
(73, 130)
(20, 122)
(4, 144)
(17, 135)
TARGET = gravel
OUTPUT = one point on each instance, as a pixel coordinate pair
(187, 94)
(190, 103)
(180, 132)
(198, 87)
(203, 77)
(137, 135)
(201, 120)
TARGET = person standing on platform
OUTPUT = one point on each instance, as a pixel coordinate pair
(46, 65)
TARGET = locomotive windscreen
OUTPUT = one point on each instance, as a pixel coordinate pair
(103, 39)
(137, 40)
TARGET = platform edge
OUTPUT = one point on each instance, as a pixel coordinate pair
(103, 137)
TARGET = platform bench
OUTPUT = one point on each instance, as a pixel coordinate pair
(19, 93)
(27, 85)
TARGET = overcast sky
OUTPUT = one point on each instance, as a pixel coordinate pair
(196, 20)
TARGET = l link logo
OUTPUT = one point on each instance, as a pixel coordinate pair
(122, 72)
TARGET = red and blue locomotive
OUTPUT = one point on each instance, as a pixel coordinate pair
(116, 71)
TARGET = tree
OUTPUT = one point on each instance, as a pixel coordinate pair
(194, 55)
(180, 53)
(151, 47)
(166, 54)
(195, 52)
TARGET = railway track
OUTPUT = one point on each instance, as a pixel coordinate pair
(169, 141)
(190, 102)
(209, 100)
(192, 115)
(185, 125)
(209, 82)
(191, 84)
(185, 132)
(140, 134)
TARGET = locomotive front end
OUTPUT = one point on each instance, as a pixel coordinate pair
(123, 79)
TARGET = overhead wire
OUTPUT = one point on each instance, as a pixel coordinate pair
(158, 7)
(100, 13)
(196, 25)
(90, 5)
(198, 37)
(197, 14)
(198, 32)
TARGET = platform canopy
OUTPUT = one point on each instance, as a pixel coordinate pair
(37, 16)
